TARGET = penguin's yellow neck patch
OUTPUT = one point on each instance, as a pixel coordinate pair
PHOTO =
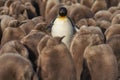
(61, 18)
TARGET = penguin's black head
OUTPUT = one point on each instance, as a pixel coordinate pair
(62, 11)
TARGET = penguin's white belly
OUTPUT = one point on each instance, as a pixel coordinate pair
(63, 28)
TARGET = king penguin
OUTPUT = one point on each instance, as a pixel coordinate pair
(62, 26)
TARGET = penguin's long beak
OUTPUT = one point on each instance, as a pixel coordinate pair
(62, 37)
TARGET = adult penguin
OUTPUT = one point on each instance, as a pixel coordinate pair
(63, 26)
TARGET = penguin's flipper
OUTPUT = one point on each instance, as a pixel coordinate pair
(74, 26)
(50, 25)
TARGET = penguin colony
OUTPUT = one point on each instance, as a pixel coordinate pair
(59, 39)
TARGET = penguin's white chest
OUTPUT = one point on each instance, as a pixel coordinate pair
(63, 27)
